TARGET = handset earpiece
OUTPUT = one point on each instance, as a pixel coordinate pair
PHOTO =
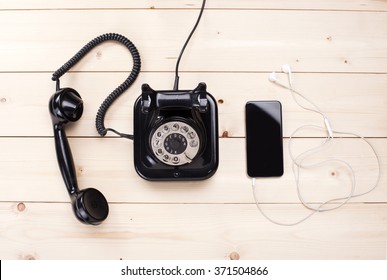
(65, 105)
(89, 205)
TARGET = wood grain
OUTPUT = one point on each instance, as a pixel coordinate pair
(313, 42)
(107, 164)
(338, 51)
(358, 5)
(163, 231)
(25, 96)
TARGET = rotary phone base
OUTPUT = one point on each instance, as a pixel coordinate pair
(175, 134)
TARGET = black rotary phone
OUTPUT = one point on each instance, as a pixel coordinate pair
(175, 134)
(175, 131)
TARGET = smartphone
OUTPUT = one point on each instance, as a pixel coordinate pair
(264, 145)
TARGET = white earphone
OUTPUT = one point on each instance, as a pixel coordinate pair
(298, 161)
(273, 78)
(287, 70)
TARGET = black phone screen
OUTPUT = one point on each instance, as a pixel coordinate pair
(264, 139)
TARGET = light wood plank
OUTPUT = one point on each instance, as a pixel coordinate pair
(312, 42)
(212, 4)
(29, 172)
(337, 49)
(353, 102)
(50, 231)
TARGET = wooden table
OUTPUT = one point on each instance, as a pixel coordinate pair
(338, 50)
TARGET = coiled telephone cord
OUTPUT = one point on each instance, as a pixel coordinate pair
(100, 118)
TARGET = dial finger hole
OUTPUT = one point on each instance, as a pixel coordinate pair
(160, 151)
(165, 128)
(175, 127)
(175, 160)
(166, 158)
(191, 135)
(184, 129)
(159, 134)
(157, 143)
(194, 143)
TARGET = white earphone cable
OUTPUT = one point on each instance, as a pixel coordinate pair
(297, 161)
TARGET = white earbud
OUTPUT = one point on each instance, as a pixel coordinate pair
(286, 69)
(273, 78)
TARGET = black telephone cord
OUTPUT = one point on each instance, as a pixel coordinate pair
(100, 118)
(176, 84)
